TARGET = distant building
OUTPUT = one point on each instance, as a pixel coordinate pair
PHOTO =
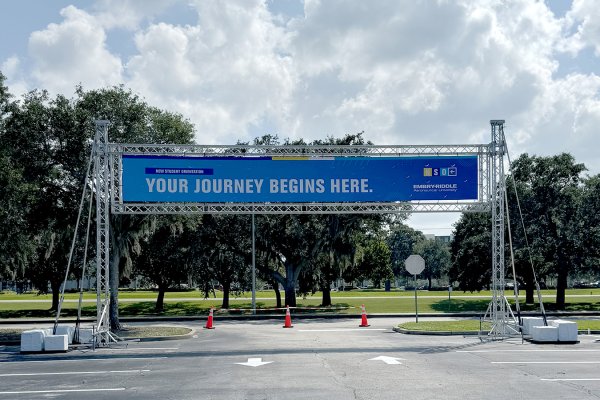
(440, 239)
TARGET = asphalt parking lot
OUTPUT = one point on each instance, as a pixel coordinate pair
(317, 359)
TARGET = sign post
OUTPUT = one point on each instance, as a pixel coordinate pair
(253, 266)
(415, 264)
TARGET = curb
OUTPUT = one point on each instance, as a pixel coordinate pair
(436, 333)
(471, 333)
(160, 338)
(188, 335)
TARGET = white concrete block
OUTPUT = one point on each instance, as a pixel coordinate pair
(530, 322)
(544, 333)
(32, 340)
(567, 330)
(66, 330)
(86, 335)
(56, 343)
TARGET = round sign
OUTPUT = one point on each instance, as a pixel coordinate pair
(414, 264)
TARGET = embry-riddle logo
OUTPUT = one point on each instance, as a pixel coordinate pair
(450, 171)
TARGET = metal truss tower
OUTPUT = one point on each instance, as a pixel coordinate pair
(499, 313)
(102, 177)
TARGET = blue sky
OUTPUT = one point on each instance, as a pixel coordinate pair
(402, 71)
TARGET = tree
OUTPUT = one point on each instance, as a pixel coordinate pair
(471, 252)
(131, 121)
(222, 252)
(401, 241)
(437, 259)
(338, 252)
(589, 214)
(16, 246)
(40, 139)
(15, 197)
(293, 242)
(374, 261)
(551, 189)
(314, 248)
(164, 255)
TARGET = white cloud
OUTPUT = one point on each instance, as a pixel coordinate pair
(11, 69)
(564, 118)
(584, 20)
(129, 14)
(227, 73)
(71, 52)
(404, 71)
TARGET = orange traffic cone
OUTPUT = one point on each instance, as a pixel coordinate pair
(288, 318)
(363, 322)
(209, 321)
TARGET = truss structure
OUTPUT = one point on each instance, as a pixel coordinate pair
(116, 151)
(102, 172)
(108, 177)
(297, 208)
(501, 317)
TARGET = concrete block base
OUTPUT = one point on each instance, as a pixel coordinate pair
(32, 340)
(56, 343)
(544, 334)
(86, 336)
(66, 330)
(567, 330)
(529, 322)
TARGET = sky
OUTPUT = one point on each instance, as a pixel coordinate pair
(401, 71)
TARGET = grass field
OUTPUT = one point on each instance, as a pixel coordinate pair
(136, 294)
(148, 294)
(143, 303)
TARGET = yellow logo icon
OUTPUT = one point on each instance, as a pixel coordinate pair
(427, 171)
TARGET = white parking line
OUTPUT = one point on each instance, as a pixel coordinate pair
(83, 359)
(342, 330)
(127, 371)
(545, 362)
(570, 379)
(63, 391)
(527, 350)
(144, 349)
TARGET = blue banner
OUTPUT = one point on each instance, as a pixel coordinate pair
(172, 179)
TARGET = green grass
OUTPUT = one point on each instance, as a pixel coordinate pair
(473, 325)
(375, 302)
(585, 324)
(149, 294)
(467, 325)
(10, 334)
(309, 305)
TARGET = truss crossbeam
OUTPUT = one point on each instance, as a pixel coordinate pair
(295, 208)
(308, 151)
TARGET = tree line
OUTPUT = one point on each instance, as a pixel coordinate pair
(45, 145)
(554, 212)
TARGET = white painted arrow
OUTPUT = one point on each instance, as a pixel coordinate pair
(255, 362)
(387, 360)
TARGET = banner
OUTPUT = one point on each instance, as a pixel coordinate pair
(175, 179)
